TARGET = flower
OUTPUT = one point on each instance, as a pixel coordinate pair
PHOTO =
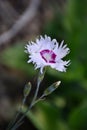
(46, 52)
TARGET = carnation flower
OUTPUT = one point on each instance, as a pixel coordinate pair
(46, 52)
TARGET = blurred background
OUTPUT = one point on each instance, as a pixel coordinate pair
(22, 21)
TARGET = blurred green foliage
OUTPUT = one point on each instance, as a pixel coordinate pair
(15, 57)
(67, 106)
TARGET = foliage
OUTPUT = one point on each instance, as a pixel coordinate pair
(67, 107)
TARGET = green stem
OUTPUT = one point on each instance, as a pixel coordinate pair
(18, 113)
(19, 121)
(40, 78)
(36, 93)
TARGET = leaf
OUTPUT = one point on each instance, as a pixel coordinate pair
(15, 57)
(78, 118)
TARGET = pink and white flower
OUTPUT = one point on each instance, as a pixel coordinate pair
(46, 52)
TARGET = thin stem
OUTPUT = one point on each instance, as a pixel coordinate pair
(18, 113)
(40, 78)
(40, 98)
(36, 93)
(31, 105)
(13, 121)
(17, 125)
(19, 121)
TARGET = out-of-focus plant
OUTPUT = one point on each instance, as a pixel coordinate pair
(42, 53)
(71, 24)
(66, 109)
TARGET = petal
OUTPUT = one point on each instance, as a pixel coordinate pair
(45, 43)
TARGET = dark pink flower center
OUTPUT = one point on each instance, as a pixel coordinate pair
(48, 55)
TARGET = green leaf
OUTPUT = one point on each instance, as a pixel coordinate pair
(15, 57)
(78, 118)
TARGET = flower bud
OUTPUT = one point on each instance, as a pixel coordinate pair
(51, 88)
(27, 89)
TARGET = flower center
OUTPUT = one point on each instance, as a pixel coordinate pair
(48, 55)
